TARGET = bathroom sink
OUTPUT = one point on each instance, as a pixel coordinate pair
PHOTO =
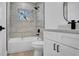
(68, 27)
(65, 29)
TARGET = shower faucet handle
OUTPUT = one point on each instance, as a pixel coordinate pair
(1, 28)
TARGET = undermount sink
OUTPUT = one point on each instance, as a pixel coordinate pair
(68, 27)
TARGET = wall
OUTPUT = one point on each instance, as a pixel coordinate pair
(73, 8)
(54, 15)
(29, 27)
(3, 33)
(21, 28)
(40, 18)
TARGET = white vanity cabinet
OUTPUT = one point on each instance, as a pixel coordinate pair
(60, 41)
(61, 44)
(56, 49)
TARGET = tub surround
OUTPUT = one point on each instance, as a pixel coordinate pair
(26, 28)
(21, 44)
(19, 27)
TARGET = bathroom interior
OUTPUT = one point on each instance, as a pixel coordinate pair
(39, 28)
(26, 24)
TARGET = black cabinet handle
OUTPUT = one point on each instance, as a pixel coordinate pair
(54, 46)
(58, 48)
(1, 28)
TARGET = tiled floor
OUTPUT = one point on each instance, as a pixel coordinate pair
(24, 53)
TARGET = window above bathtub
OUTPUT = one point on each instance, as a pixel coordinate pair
(23, 14)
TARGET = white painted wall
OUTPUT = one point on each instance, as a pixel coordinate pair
(73, 10)
(54, 15)
(3, 32)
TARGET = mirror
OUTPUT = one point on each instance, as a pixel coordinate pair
(71, 11)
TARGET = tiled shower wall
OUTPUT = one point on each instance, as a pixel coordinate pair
(29, 27)
(21, 28)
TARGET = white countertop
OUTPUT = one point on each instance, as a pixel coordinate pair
(73, 31)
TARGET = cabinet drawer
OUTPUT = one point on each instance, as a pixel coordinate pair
(71, 40)
(66, 51)
(63, 49)
(65, 38)
(52, 36)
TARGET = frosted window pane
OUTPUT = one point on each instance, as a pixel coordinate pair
(23, 14)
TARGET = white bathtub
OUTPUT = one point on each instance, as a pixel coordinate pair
(19, 44)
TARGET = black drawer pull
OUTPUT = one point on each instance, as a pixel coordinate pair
(54, 46)
(58, 48)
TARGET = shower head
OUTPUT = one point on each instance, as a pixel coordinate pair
(36, 7)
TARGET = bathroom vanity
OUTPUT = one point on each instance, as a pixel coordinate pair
(59, 38)
(61, 43)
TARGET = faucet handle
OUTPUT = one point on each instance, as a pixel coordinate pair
(78, 21)
(72, 21)
(69, 22)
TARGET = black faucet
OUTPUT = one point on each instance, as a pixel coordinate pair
(38, 32)
(73, 24)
